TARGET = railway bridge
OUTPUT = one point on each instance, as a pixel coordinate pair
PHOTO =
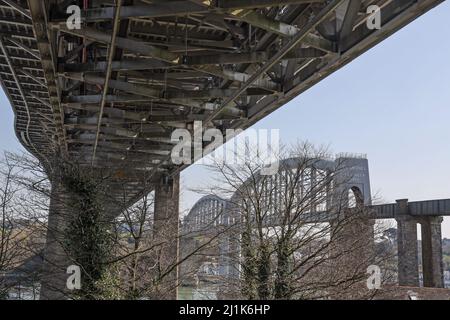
(107, 93)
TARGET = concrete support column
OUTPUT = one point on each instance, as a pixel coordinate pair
(56, 261)
(432, 264)
(166, 230)
(408, 266)
(230, 251)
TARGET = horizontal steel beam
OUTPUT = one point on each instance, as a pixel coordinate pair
(18, 8)
(142, 48)
(69, 101)
(27, 49)
(251, 57)
(249, 4)
(117, 131)
(161, 9)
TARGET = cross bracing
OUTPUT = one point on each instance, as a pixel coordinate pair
(110, 93)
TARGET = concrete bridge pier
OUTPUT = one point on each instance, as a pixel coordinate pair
(166, 231)
(432, 264)
(408, 263)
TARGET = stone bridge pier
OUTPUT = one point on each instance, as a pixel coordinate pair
(408, 263)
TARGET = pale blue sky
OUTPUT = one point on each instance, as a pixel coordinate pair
(392, 103)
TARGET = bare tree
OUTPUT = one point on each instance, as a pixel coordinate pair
(296, 234)
(135, 227)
